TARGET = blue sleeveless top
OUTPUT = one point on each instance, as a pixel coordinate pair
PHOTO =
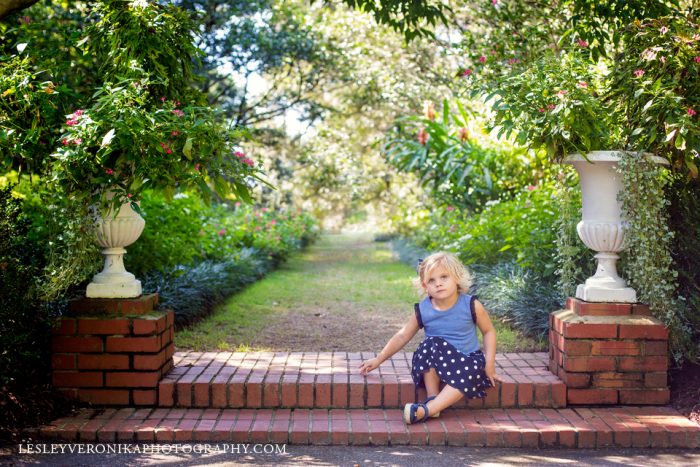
(454, 325)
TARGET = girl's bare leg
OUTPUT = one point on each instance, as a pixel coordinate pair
(447, 397)
(432, 382)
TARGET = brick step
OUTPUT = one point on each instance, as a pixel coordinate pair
(627, 426)
(332, 380)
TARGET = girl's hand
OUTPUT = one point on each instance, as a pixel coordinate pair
(369, 365)
(490, 371)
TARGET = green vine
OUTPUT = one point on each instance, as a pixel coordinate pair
(649, 266)
(572, 256)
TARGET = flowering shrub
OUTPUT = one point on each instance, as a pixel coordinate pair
(557, 104)
(190, 231)
(127, 141)
(662, 100)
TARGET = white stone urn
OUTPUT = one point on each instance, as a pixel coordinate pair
(602, 228)
(113, 233)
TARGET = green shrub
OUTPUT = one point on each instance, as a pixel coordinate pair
(518, 296)
(185, 231)
(25, 323)
(516, 230)
(192, 292)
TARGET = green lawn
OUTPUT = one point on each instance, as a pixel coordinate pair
(344, 293)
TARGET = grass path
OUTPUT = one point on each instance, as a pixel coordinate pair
(345, 292)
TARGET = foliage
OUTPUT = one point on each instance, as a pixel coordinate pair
(193, 291)
(190, 231)
(517, 230)
(24, 322)
(557, 104)
(406, 16)
(573, 258)
(649, 265)
(684, 218)
(519, 297)
(451, 163)
(662, 100)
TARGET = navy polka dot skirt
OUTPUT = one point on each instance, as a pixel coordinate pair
(464, 372)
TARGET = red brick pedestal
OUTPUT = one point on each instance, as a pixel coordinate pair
(113, 351)
(609, 353)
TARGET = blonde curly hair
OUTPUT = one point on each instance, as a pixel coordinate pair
(448, 261)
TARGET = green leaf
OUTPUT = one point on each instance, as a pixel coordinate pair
(187, 149)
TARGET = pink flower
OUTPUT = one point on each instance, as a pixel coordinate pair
(238, 204)
(463, 134)
(258, 228)
(179, 112)
(531, 187)
(175, 133)
(221, 232)
(78, 113)
(582, 43)
(664, 29)
(691, 112)
(273, 222)
(198, 167)
(129, 195)
(582, 84)
(513, 61)
(639, 73)
(249, 162)
(177, 103)
(551, 106)
(482, 59)
(541, 109)
(697, 59)
(450, 208)
(78, 141)
(109, 171)
(423, 137)
(662, 59)
(71, 122)
(263, 209)
(493, 2)
(162, 99)
(65, 142)
(25, 20)
(168, 151)
(239, 154)
(562, 92)
(467, 72)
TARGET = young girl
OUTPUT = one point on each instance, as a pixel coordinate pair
(450, 351)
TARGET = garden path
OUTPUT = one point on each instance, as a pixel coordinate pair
(345, 292)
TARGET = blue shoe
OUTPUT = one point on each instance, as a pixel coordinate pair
(436, 414)
(409, 413)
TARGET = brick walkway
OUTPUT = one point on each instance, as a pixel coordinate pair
(643, 427)
(332, 380)
(319, 398)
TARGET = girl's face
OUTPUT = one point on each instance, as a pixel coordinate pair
(439, 283)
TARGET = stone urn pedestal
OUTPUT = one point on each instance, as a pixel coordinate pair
(113, 234)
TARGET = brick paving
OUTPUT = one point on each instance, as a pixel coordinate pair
(641, 427)
(331, 380)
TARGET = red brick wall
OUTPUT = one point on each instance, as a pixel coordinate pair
(113, 351)
(609, 353)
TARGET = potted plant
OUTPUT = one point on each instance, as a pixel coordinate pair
(562, 103)
(143, 127)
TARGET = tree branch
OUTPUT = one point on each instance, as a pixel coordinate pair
(7, 7)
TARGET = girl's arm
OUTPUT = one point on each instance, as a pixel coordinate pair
(395, 344)
(489, 333)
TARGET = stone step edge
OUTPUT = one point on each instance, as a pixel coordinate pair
(590, 427)
(373, 394)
